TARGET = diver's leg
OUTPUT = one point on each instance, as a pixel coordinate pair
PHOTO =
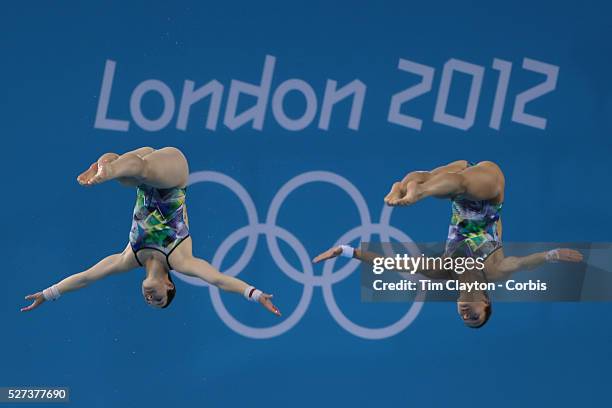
(398, 189)
(166, 168)
(484, 181)
(163, 168)
(106, 158)
(454, 167)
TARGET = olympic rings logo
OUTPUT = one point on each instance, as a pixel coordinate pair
(305, 276)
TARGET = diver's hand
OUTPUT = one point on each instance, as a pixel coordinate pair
(38, 298)
(265, 301)
(564, 255)
(330, 253)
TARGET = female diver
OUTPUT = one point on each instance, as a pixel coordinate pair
(159, 239)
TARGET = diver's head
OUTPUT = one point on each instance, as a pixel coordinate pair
(158, 289)
(475, 312)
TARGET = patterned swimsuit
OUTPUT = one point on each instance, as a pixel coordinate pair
(159, 220)
(473, 229)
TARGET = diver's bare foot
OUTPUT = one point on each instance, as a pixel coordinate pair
(411, 195)
(397, 191)
(103, 174)
(85, 176)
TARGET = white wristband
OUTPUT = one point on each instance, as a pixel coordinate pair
(347, 251)
(51, 293)
(552, 256)
(252, 294)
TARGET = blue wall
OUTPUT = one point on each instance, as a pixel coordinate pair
(112, 350)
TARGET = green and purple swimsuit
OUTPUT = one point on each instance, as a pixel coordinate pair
(473, 229)
(159, 221)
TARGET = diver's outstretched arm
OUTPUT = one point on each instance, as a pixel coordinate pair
(357, 253)
(502, 268)
(116, 263)
(192, 266)
(367, 256)
(183, 261)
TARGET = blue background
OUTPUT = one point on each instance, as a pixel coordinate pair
(112, 350)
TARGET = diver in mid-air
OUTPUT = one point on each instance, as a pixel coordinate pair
(476, 192)
(159, 239)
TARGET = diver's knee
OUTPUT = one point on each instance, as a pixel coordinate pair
(182, 166)
(181, 158)
(173, 151)
(488, 163)
(492, 168)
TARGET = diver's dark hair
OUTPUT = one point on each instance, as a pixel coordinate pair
(171, 292)
(488, 312)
